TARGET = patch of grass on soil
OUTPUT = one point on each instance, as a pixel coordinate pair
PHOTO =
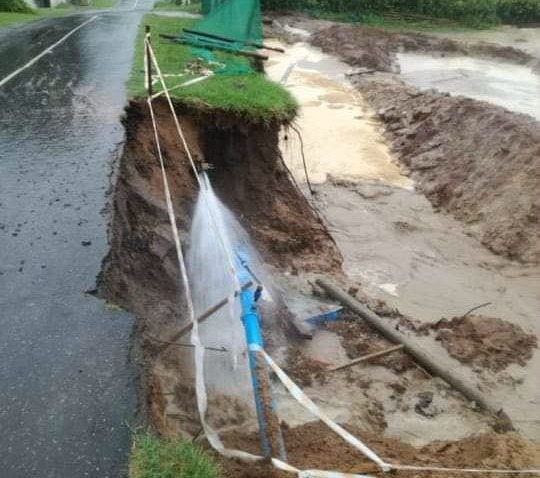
(153, 457)
(249, 95)
(194, 7)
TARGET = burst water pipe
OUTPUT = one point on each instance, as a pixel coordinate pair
(269, 428)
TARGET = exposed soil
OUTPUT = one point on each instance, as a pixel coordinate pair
(315, 446)
(140, 272)
(374, 48)
(477, 161)
(359, 339)
(485, 342)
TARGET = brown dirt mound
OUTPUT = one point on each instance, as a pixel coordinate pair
(475, 160)
(485, 341)
(315, 446)
(373, 48)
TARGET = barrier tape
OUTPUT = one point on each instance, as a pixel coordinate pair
(307, 403)
(179, 130)
(200, 387)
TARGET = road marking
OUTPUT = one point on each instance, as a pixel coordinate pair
(45, 52)
(135, 4)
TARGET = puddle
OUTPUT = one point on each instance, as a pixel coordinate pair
(340, 134)
(475, 78)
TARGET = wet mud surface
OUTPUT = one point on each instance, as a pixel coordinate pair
(477, 161)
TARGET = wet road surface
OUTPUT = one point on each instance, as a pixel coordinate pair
(66, 387)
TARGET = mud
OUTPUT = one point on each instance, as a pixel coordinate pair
(308, 447)
(373, 48)
(380, 401)
(140, 272)
(472, 159)
(478, 161)
(485, 342)
(360, 339)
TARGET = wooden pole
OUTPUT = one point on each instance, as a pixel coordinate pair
(422, 357)
(148, 60)
(367, 357)
(205, 315)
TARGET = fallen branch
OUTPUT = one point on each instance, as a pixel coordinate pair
(475, 308)
(205, 315)
(367, 357)
(167, 344)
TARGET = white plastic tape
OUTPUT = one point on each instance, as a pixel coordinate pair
(307, 403)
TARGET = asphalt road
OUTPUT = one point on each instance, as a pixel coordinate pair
(67, 389)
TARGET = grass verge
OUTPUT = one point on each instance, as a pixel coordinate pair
(172, 5)
(16, 18)
(248, 95)
(152, 457)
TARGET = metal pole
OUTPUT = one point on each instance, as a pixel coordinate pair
(269, 429)
(148, 60)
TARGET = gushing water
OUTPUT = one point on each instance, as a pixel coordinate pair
(216, 235)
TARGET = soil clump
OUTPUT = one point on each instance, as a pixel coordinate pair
(315, 446)
(485, 342)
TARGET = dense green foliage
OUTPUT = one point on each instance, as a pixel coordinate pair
(475, 11)
(153, 457)
(14, 6)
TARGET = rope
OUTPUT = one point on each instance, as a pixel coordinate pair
(295, 129)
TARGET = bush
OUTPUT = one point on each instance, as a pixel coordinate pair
(467, 11)
(15, 6)
(519, 11)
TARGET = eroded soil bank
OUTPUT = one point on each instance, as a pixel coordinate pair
(140, 272)
(475, 160)
(405, 414)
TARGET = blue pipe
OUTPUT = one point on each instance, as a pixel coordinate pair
(250, 319)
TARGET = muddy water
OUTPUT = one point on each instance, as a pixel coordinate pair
(514, 87)
(340, 135)
(402, 251)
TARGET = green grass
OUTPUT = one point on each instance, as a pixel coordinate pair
(152, 457)
(103, 3)
(395, 24)
(248, 95)
(172, 5)
(15, 18)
